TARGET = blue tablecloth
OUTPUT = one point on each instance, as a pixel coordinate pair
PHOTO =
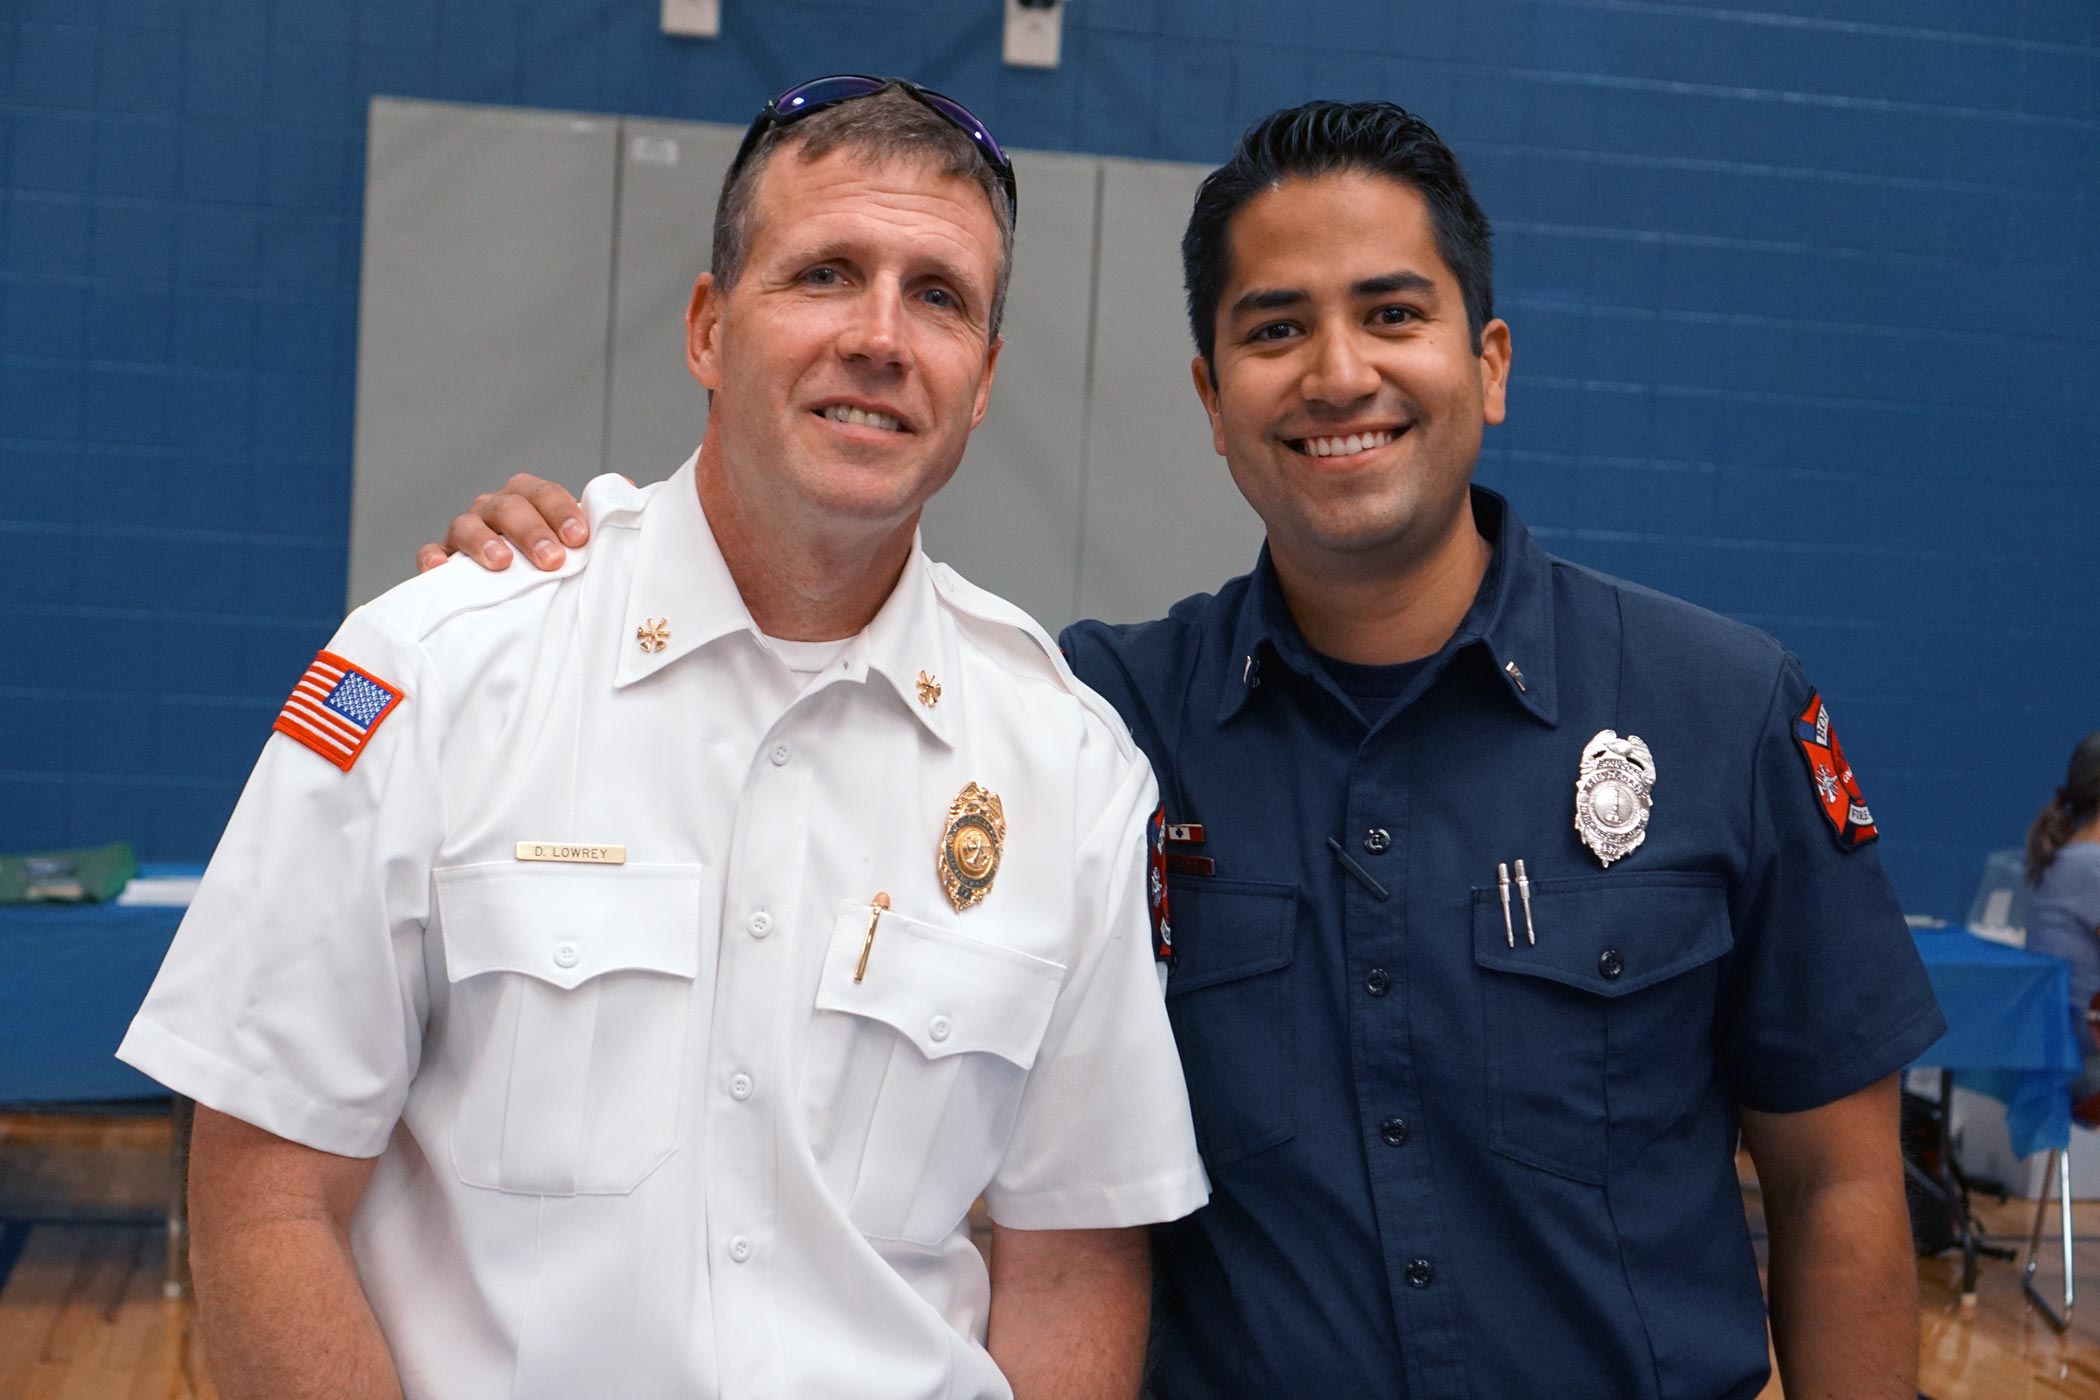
(2009, 1031)
(71, 976)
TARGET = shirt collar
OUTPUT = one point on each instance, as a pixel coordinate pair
(682, 591)
(1511, 616)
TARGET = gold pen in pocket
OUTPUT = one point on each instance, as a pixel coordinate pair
(875, 908)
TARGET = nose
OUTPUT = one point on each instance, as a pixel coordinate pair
(1339, 372)
(875, 332)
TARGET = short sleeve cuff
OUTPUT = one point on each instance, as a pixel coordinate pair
(1101, 1207)
(1814, 1085)
(240, 1093)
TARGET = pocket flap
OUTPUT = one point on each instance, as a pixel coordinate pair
(566, 925)
(1606, 934)
(946, 992)
(1228, 929)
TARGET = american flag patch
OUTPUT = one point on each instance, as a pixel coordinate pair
(336, 708)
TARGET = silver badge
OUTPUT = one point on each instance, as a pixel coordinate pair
(1612, 794)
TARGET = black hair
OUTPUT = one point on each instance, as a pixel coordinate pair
(1323, 138)
(2068, 808)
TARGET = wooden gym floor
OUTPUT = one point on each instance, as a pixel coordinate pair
(82, 1316)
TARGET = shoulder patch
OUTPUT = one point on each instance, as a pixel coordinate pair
(1156, 885)
(336, 708)
(1836, 790)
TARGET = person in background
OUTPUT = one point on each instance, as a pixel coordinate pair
(620, 982)
(1506, 896)
(2063, 914)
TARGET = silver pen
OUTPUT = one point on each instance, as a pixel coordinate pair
(1509, 930)
(1524, 890)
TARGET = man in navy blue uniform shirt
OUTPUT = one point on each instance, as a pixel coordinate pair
(1502, 894)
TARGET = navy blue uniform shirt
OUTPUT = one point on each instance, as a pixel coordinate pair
(1444, 1166)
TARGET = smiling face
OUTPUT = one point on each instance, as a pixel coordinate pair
(1349, 400)
(851, 360)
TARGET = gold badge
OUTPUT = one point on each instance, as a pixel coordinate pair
(929, 690)
(654, 635)
(971, 846)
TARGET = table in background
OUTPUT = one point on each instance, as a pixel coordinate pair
(2009, 1035)
(75, 975)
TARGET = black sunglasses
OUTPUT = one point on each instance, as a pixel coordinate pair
(803, 99)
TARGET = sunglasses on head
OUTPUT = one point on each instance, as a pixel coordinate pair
(805, 99)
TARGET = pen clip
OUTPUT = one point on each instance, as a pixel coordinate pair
(867, 946)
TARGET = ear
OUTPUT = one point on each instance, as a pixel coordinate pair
(1495, 352)
(984, 385)
(1206, 390)
(703, 326)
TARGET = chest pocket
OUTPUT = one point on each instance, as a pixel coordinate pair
(1233, 941)
(913, 1075)
(1601, 1034)
(571, 993)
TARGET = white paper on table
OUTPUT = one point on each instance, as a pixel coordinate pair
(176, 890)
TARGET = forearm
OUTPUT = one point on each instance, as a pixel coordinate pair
(1076, 1332)
(284, 1317)
(1844, 1294)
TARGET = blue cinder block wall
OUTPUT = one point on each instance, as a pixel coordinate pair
(1806, 299)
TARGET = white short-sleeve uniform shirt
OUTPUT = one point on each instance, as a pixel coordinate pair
(640, 1132)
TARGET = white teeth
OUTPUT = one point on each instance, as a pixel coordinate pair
(845, 413)
(1343, 446)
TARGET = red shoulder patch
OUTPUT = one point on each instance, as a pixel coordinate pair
(1836, 790)
(1156, 884)
(336, 708)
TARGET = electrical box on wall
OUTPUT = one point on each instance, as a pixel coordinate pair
(1034, 33)
(694, 19)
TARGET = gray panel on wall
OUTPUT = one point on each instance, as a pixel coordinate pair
(485, 230)
(1010, 519)
(670, 174)
(1162, 517)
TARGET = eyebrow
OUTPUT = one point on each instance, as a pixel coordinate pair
(1280, 298)
(936, 264)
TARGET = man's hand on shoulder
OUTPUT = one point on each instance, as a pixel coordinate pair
(530, 513)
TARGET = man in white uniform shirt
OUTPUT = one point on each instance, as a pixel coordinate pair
(621, 981)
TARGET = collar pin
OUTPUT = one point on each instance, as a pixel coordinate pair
(1515, 675)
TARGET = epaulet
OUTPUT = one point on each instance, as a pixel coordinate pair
(1029, 648)
(421, 605)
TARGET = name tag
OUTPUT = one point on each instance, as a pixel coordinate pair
(572, 854)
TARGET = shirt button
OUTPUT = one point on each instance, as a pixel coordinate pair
(1611, 964)
(1420, 1272)
(1379, 982)
(779, 754)
(1394, 1131)
(938, 1028)
(760, 924)
(565, 955)
(739, 1248)
(1378, 840)
(740, 1086)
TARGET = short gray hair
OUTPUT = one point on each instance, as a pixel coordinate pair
(889, 124)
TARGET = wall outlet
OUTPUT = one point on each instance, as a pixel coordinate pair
(1034, 33)
(693, 19)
